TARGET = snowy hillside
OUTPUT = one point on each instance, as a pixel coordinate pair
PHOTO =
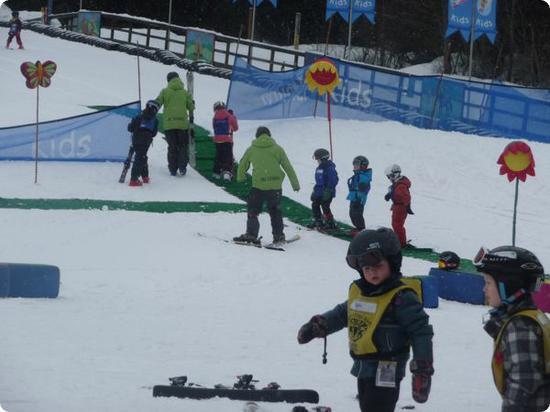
(143, 297)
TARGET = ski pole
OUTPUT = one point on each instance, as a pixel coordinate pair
(325, 352)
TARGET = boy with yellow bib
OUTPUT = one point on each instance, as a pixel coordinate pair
(384, 318)
(521, 358)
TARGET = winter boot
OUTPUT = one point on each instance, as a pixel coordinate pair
(316, 224)
(329, 222)
(183, 172)
(279, 240)
(247, 238)
(216, 176)
(227, 176)
(135, 183)
(146, 179)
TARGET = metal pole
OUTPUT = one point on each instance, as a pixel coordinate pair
(472, 35)
(515, 214)
(36, 137)
(167, 46)
(80, 5)
(253, 21)
(297, 23)
(350, 24)
(50, 8)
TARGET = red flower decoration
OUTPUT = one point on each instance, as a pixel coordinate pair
(516, 161)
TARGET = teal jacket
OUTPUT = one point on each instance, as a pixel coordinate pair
(404, 324)
(269, 163)
(177, 103)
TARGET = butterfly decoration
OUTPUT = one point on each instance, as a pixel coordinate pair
(38, 74)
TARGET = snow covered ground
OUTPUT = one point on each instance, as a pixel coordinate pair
(144, 298)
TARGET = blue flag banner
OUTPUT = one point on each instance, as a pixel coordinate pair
(258, 2)
(486, 22)
(340, 7)
(460, 18)
(98, 136)
(366, 93)
(366, 7)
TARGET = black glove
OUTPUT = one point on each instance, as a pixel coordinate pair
(387, 197)
(231, 112)
(316, 328)
(422, 372)
(192, 119)
(409, 210)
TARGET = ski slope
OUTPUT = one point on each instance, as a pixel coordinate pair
(143, 297)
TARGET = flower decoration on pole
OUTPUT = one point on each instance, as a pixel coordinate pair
(38, 75)
(322, 76)
(516, 162)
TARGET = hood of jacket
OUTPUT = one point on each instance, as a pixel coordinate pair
(175, 84)
(263, 141)
(404, 180)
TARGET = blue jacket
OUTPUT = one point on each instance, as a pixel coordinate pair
(326, 178)
(143, 128)
(359, 186)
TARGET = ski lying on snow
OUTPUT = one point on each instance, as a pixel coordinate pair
(270, 246)
(243, 390)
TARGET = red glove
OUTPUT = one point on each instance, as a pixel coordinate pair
(316, 328)
(422, 372)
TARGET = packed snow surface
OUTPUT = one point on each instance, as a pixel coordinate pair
(144, 297)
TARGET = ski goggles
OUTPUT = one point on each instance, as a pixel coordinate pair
(480, 256)
(368, 259)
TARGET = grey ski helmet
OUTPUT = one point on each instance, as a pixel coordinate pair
(393, 172)
(321, 154)
(370, 247)
(361, 161)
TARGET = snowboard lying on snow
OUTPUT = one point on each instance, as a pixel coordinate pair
(243, 390)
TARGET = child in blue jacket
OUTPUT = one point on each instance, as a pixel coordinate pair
(326, 179)
(143, 128)
(359, 187)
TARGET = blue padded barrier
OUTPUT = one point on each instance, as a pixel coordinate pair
(459, 286)
(29, 281)
(425, 288)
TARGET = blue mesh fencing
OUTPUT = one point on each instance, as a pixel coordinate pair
(438, 102)
(98, 136)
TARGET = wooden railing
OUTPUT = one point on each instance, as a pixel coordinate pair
(157, 35)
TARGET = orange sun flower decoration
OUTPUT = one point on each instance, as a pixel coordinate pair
(322, 76)
(517, 161)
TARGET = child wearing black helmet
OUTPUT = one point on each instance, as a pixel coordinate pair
(384, 318)
(521, 358)
(359, 187)
(15, 30)
(143, 128)
(326, 179)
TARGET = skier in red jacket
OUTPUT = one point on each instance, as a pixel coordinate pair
(400, 195)
(15, 30)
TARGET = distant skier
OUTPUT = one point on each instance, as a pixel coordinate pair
(384, 318)
(326, 179)
(400, 195)
(359, 187)
(15, 30)
(177, 104)
(521, 357)
(267, 159)
(224, 124)
(143, 128)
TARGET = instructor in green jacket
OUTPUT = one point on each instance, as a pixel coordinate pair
(267, 159)
(177, 104)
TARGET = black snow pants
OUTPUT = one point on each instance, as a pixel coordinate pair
(256, 199)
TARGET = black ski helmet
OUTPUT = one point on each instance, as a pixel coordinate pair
(370, 247)
(152, 105)
(262, 130)
(448, 260)
(361, 161)
(171, 75)
(513, 268)
(321, 154)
